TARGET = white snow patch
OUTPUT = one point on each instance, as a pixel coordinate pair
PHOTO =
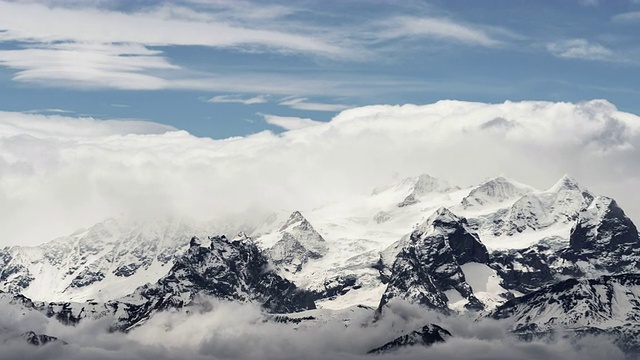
(485, 283)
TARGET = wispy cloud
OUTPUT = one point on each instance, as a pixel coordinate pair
(581, 49)
(289, 122)
(260, 99)
(167, 25)
(98, 45)
(437, 28)
(628, 17)
(121, 66)
(49, 111)
(301, 103)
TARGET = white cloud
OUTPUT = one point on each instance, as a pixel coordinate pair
(89, 65)
(581, 49)
(89, 44)
(438, 28)
(13, 124)
(260, 99)
(63, 173)
(160, 26)
(628, 17)
(304, 104)
(76, 45)
(51, 110)
(290, 122)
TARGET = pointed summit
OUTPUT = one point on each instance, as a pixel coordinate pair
(444, 215)
(295, 218)
(455, 232)
(495, 191)
(566, 182)
(428, 265)
(195, 242)
(299, 242)
(441, 219)
(603, 228)
(426, 184)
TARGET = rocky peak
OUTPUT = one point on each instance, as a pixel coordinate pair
(455, 234)
(429, 263)
(227, 269)
(494, 191)
(604, 234)
(299, 242)
(566, 183)
(427, 335)
(242, 237)
(602, 302)
(40, 339)
(294, 220)
(194, 242)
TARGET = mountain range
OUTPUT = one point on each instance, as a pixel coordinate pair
(544, 261)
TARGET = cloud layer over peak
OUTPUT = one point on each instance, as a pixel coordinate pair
(64, 173)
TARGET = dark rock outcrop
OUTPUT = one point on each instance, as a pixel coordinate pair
(428, 335)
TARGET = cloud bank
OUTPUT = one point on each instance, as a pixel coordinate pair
(222, 330)
(61, 173)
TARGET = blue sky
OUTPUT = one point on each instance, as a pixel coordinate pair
(219, 68)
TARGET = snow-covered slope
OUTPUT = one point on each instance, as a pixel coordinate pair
(103, 262)
(609, 304)
(493, 193)
(560, 204)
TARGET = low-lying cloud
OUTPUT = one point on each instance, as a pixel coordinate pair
(61, 173)
(225, 330)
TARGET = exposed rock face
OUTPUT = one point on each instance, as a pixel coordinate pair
(81, 266)
(603, 241)
(608, 303)
(227, 269)
(427, 335)
(429, 263)
(605, 237)
(40, 339)
(526, 270)
(299, 242)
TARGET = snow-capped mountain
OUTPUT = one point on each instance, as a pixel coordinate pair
(560, 204)
(226, 269)
(494, 192)
(603, 241)
(608, 303)
(106, 261)
(428, 269)
(422, 186)
(498, 245)
(298, 242)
